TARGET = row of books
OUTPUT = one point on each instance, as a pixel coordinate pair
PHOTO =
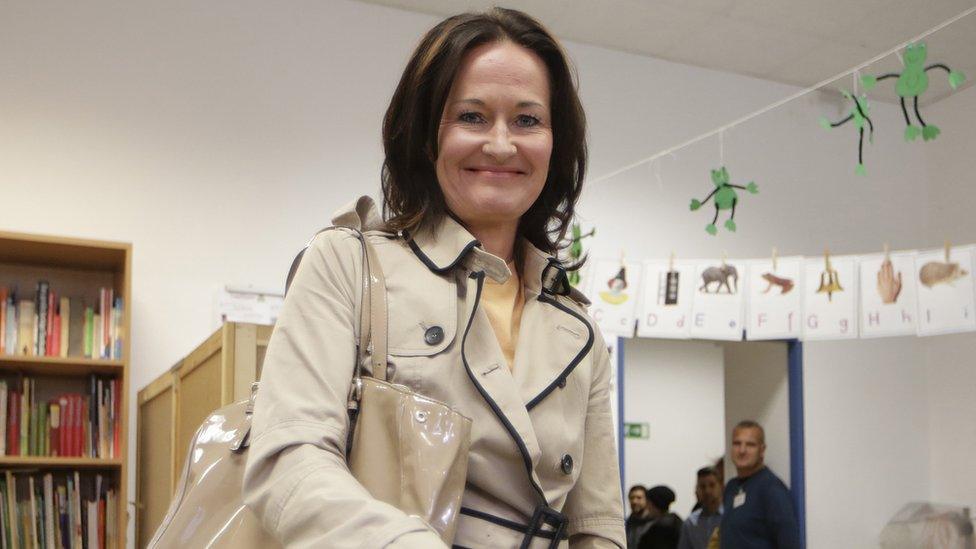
(69, 425)
(60, 326)
(65, 510)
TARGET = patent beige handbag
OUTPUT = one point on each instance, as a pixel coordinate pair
(406, 449)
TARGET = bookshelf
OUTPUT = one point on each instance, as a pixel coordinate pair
(75, 268)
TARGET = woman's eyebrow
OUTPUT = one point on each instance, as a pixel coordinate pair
(520, 105)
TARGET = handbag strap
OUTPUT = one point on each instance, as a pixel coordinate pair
(372, 342)
(372, 314)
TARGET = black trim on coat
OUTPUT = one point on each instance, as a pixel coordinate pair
(480, 277)
(510, 524)
(430, 262)
(561, 378)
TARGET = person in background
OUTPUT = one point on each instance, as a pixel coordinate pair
(638, 522)
(758, 511)
(665, 528)
(701, 524)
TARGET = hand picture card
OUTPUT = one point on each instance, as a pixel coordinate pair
(888, 297)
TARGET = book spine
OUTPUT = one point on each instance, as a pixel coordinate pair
(40, 332)
(3, 320)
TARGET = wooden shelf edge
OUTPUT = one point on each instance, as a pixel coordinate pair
(60, 366)
(60, 462)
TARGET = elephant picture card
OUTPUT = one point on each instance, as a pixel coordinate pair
(613, 294)
(830, 297)
(774, 309)
(888, 295)
(945, 291)
(719, 296)
(666, 298)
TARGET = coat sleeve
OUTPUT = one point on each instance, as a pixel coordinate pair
(296, 479)
(594, 506)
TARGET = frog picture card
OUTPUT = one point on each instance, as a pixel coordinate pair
(774, 309)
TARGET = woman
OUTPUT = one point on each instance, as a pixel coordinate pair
(485, 155)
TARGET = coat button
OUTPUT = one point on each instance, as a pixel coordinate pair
(567, 464)
(434, 335)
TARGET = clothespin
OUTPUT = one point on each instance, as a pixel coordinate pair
(775, 257)
(725, 257)
(622, 257)
(887, 252)
(948, 247)
(827, 259)
(671, 262)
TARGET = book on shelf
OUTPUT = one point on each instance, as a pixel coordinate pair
(54, 325)
(69, 425)
(70, 510)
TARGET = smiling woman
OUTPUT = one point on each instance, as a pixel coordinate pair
(485, 157)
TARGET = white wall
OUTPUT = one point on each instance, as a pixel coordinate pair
(216, 137)
(678, 388)
(757, 388)
(951, 360)
(866, 437)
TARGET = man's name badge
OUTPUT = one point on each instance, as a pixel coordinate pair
(739, 500)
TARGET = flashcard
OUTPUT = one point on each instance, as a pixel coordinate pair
(614, 295)
(889, 302)
(666, 297)
(775, 305)
(830, 298)
(945, 291)
(718, 303)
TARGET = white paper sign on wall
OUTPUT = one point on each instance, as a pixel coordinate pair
(945, 291)
(718, 303)
(666, 297)
(888, 294)
(775, 306)
(614, 294)
(830, 298)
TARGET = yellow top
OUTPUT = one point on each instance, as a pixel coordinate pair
(503, 303)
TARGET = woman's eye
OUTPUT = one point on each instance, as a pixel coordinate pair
(526, 121)
(470, 117)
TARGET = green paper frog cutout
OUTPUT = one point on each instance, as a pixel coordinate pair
(912, 82)
(576, 251)
(725, 199)
(859, 115)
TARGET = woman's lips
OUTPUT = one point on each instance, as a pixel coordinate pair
(495, 172)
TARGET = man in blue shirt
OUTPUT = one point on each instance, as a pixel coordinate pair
(701, 524)
(758, 510)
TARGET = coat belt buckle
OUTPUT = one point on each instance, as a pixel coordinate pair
(544, 515)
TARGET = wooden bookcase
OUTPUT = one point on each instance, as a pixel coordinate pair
(216, 373)
(74, 267)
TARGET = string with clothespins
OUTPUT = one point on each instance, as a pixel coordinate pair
(896, 50)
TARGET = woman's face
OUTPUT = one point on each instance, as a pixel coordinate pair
(495, 135)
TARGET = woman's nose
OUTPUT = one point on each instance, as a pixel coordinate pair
(499, 145)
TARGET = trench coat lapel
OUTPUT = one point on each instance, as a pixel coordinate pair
(553, 337)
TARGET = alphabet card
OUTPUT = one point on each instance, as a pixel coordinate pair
(888, 297)
(718, 303)
(830, 298)
(613, 296)
(668, 290)
(945, 291)
(775, 305)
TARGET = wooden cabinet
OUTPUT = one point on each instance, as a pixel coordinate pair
(171, 408)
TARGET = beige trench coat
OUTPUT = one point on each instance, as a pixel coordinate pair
(542, 433)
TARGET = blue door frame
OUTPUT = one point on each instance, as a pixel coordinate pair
(797, 470)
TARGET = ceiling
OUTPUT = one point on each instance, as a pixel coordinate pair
(788, 41)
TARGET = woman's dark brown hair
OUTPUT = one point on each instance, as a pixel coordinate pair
(412, 198)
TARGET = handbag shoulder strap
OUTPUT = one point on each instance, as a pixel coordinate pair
(372, 342)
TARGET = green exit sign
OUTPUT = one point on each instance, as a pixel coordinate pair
(637, 430)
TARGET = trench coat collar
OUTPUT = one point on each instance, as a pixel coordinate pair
(449, 245)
